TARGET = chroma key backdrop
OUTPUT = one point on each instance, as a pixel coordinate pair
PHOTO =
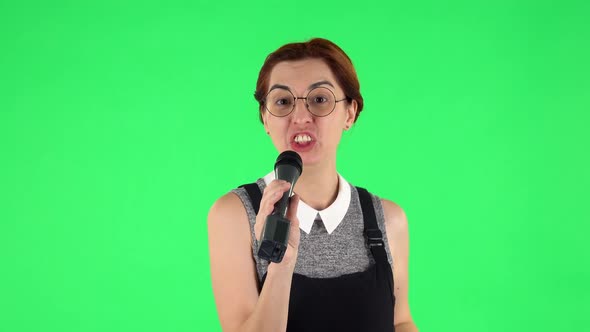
(121, 122)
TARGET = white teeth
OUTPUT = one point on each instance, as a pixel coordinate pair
(302, 138)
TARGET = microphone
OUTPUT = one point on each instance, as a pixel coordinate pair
(275, 233)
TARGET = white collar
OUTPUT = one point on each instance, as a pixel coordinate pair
(331, 216)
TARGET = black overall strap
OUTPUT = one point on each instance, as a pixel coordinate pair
(255, 195)
(375, 240)
(372, 232)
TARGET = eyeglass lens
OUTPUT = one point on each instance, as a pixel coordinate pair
(319, 101)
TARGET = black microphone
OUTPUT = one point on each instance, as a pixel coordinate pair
(275, 233)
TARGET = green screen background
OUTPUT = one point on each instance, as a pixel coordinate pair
(122, 122)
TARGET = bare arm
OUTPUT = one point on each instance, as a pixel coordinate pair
(233, 272)
(396, 224)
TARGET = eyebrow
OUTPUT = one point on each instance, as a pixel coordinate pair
(311, 86)
(316, 84)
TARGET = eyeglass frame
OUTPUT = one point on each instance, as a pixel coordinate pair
(306, 103)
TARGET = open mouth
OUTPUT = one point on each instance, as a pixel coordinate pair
(303, 139)
(302, 142)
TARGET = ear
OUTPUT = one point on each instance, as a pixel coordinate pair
(350, 114)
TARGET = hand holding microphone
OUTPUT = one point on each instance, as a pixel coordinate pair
(280, 233)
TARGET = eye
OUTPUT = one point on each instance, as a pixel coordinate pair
(319, 100)
(282, 101)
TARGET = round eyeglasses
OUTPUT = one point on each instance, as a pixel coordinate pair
(319, 101)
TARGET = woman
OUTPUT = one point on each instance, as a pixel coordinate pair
(346, 265)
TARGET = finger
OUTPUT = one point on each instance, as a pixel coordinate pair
(272, 196)
(274, 187)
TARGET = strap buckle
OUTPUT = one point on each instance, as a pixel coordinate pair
(374, 237)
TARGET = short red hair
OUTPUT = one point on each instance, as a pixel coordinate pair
(317, 48)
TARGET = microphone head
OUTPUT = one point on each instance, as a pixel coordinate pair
(291, 158)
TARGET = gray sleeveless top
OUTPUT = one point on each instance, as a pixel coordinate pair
(323, 255)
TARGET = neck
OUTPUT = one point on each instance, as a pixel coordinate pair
(318, 185)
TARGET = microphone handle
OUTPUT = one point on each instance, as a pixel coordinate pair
(275, 232)
(283, 203)
(290, 174)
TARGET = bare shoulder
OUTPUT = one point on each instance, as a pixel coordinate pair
(227, 222)
(396, 226)
(233, 273)
(228, 203)
(395, 216)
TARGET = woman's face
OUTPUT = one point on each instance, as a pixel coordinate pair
(314, 138)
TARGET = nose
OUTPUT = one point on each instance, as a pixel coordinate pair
(300, 113)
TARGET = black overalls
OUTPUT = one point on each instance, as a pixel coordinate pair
(356, 302)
